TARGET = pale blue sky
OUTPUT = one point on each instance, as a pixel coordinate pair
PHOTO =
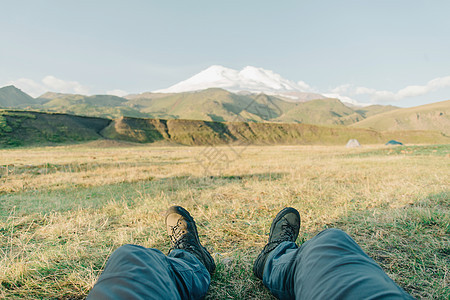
(367, 50)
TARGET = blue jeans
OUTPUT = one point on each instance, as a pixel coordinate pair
(329, 266)
(135, 272)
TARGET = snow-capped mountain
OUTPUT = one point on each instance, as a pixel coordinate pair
(249, 79)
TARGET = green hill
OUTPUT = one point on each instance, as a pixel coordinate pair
(435, 116)
(106, 106)
(221, 105)
(372, 110)
(210, 105)
(21, 128)
(10, 96)
(207, 105)
(321, 111)
(195, 132)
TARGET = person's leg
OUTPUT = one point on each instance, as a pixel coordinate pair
(190, 273)
(276, 274)
(333, 265)
(135, 272)
(329, 266)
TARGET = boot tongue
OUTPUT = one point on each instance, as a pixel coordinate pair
(178, 229)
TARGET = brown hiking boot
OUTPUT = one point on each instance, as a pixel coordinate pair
(285, 227)
(183, 234)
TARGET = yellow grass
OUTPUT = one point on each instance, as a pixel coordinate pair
(65, 209)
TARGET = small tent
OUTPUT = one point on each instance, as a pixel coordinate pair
(353, 143)
(393, 142)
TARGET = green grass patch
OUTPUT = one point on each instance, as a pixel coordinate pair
(130, 194)
(231, 279)
(424, 150)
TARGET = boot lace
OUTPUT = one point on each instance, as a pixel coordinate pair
(177, 234)
(184, 243)
(181, 240)
(288, 233)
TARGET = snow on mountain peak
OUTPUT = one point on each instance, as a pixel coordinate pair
(267, 78)
(213, 74)
(250, 79)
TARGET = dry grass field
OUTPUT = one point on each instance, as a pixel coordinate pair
(64, 209)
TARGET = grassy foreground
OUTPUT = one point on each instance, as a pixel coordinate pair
(63, 210)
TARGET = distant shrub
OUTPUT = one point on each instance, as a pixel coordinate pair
(17, 114)
(4, 125)
(22, 115)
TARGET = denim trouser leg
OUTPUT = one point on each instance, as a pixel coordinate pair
(135, 272)
(329, 266)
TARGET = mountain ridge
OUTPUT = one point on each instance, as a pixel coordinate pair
(10, 96)
(214, 104)
(220, 105)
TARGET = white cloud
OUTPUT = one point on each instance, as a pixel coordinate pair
(63, 86)
(343, 98)
(342, 89)
(377, 96)
(119, 93)
(29, 86)
(305, 87)
(363, 90)
(49, 83)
